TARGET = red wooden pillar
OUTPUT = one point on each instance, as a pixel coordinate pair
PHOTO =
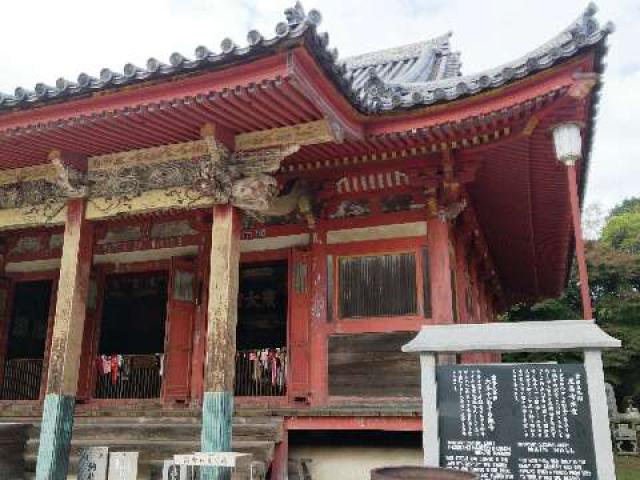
(462, 276)
(440, 270)
(587, 309)
(280, 464)
(319, 374)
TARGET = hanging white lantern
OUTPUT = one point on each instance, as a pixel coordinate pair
(567, 142)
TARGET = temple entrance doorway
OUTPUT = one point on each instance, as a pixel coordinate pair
(261, 358)
(132, 336)
(26, 341)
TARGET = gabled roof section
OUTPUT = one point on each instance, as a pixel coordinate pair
(416, 62)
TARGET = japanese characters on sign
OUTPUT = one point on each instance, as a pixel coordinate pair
(218, 459)
(516, 422)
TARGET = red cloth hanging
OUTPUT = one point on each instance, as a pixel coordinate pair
(114, 369)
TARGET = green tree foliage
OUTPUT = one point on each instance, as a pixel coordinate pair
(622, 230)
(614, 281)
(626, 206)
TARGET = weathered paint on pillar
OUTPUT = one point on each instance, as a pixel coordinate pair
(66, 346)
(587, 309)
(280, 464)
(319, 371)
(440, 270)
(217, 405)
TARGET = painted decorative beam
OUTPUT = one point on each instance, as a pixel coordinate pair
(309, 133)
(27, 174)
(46, 214)
(146, 202)
(66, 346)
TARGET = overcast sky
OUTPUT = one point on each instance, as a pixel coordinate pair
(44, 39)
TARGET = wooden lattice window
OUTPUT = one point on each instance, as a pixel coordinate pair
(377, 285)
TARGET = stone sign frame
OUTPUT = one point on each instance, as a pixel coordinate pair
(541, 336)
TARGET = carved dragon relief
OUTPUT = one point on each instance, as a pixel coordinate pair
(212, 173)
(71, 181)
(244, 179)
(35, 199)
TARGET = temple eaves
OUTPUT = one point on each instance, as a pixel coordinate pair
(400, 78)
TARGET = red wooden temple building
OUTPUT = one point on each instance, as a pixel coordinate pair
(227, 251)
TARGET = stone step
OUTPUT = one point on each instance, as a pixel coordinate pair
(152, 455)
(262, 450)
(147, 470)
(157, 439)
(118, 420)
(151, 471)
(165, 431)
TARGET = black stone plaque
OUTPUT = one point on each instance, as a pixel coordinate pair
(516, 422)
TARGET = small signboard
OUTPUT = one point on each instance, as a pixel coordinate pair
(516, 422)
(171, 471)
(93, 463)
(123, 466)
(217, 459)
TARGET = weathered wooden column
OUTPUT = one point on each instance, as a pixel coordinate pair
(439, 266)
(217, 403)
(319, 372)
(66, 345)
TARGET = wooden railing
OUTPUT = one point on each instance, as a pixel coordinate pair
(21, 379)
(139, 376)
(261, 373)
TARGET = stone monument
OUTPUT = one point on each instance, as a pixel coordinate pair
(517, 421)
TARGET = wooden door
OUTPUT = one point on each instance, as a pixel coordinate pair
(87, 372)
(299, 325)
(6, 296)
(179, 330)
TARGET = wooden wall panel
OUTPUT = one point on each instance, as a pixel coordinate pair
(372, 365)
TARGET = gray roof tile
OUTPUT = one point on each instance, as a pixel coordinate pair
(398, 78)
(378, 94)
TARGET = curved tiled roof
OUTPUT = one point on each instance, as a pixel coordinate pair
(404, 77)
(379, 94)
(298, 24)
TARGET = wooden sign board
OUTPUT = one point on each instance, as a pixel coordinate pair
(518, 421)
(217, 459)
